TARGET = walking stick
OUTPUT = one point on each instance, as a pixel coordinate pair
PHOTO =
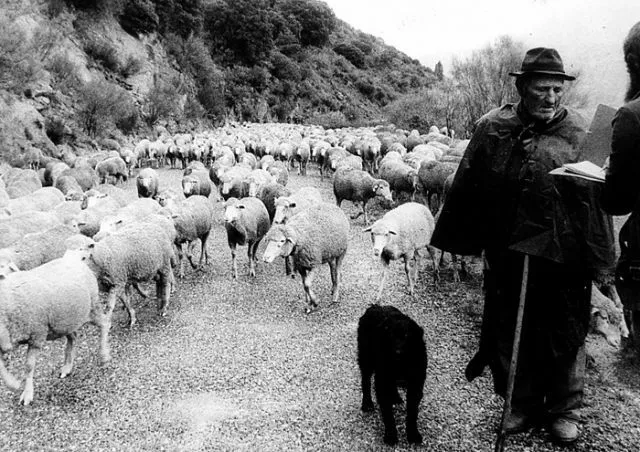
(506, 410)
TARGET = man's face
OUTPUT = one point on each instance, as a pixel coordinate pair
(541, 97)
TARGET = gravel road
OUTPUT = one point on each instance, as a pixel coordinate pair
(238, 366)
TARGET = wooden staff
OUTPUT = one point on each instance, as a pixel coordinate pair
(499, 447)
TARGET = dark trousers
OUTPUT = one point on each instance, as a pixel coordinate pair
(551, 363)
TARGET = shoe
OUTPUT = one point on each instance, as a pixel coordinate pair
(565, 430)
(516, 422)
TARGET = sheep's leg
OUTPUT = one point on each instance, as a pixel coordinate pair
(69, 355)
(364, 211)
(9, 380)
(416, 266)
(436, 268)
(307, 280)
(27, 394)
(234, 265)
(163, 289)
(103, 322)
(181, 254)
(408, 271)
(203, 249)
(335, 278)
(385, 271)
(124, 296)
(143, 293)
(288, 267)
(251, 254)
(190, 247)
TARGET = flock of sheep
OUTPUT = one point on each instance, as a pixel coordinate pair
(68, 232)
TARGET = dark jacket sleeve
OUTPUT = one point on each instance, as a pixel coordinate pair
(622, 184)
(458, 229)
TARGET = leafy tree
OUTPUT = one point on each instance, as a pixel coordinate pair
(100, 105)
(138, 17)
(314, 20)
(245, 28)
(182, 17)
(162, 100)
(351, 53)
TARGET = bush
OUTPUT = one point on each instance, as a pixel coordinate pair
(314, 20)
(138, 17)
(131, 66)
(18, 63)
(329, 120)
(100, 105)
(102, 52)
(54, 128)
(162, 101)
(284, 68)
(353, 54)
(63, 73)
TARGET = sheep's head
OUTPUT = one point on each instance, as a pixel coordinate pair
(7, 263)
(232, 210)
(280, 242)
(381, 188)
(381, 235)
(283, 209)
(189, 185)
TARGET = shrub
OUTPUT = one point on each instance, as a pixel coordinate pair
(138, 17)
(63, 72)
(102, 52)
(314, 20)
(18, 63)
(162, 101)
(131, 66)
(353, 54)
(54, 128)
(284, 68)
(100, 105)
(329, 120)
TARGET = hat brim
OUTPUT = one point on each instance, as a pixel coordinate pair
(555, 74)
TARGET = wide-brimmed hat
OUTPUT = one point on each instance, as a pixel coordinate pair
(545, 61)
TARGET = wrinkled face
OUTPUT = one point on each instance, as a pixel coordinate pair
(541, 97)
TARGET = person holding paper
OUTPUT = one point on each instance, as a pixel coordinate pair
(505, 204)
(621, 194)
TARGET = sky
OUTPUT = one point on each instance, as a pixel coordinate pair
(588, 34)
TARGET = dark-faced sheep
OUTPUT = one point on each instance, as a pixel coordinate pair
(318, 235)
(359, 186)
(402, 233)
(246, 221)
(401, 177)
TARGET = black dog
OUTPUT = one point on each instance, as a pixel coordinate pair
(391, 346)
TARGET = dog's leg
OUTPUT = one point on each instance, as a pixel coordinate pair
(384, 392)
(414, 396)
(366, 372)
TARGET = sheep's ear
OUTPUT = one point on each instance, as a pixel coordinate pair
(81, 223)
(91, 245)
(367, 229)
(119, 221)
(292, 205)
(13, 267)
(393, 232)
(240, 206)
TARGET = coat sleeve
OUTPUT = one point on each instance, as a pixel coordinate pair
(622, 184)
(459, 228)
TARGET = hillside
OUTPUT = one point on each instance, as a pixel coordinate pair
(76, 71)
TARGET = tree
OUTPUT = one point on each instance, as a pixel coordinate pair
(439, 71)
(484, 77)
(246, 28)
(315, 20)
(182, 17)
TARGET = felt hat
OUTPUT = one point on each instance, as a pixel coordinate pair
(545, 61)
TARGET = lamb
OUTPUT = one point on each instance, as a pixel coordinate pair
(403, 232)
(371, 154)
(318, 235)
(288, 206)
(246, 221)
(331, 156)
(49, 302)
(302, 155)
(138, 252)
(193, 220)
(112, 168)
(37, 248)
(401, 177)
(359, 186)
(279, 172)
(147, 183)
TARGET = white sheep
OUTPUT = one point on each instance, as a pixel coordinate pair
(316, 236)
(138, 252)
(287, 206)
(193, 220)
(14, 227)
(246, 221)
(37, 248)
(47, 303)
(402, 233)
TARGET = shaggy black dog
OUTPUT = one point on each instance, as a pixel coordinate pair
(391, 346)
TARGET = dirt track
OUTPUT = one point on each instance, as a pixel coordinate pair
(237, 365)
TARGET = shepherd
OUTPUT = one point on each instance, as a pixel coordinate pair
(505, 205)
